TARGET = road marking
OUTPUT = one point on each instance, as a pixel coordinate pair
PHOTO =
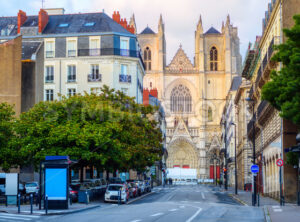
(277, 210)
(173, 210)
(195, 215)
(136, 220)
(19, 215)
(155, 215)
(183, 201)
(275, 206)
(202, 194)
(18, 218)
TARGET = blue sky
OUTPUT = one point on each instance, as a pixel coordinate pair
(180, 16)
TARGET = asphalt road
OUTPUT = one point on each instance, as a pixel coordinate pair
(175, 204)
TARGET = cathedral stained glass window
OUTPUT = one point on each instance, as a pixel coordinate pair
(181, 99)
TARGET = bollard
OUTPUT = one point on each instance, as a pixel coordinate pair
(19, 203)
(119, 197)
(258, 199)
(31, 196)
(46, 205)
(36, 199)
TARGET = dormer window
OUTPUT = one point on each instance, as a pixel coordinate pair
(89, 24)
(63, 25)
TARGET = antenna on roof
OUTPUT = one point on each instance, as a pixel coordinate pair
(43, 3)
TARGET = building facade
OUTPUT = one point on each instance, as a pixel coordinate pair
(193, 94)
(272, 134)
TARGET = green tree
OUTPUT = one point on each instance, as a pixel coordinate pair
(283, 90)
(109, 131)
(8, 156)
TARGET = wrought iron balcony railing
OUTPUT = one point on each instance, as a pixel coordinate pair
(125, 78)
(261, 107)
(94, 77)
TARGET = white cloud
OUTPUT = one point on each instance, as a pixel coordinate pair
(180, 16)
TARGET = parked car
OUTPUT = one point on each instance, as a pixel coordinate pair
(147, 185)
(74, 192)
(112, 193)
(133, 189)
(115, 180)
(32, 187)
(22, 189)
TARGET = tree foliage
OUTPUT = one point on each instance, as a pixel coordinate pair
(283, 91)
(109, 131)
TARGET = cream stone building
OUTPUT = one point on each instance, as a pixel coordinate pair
(192, 93)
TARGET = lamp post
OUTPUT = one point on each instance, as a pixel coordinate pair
(253, 155)
(235, 163)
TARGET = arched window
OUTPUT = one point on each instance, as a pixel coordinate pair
(209, 114)
(147, 58)
(181, 99)
(213, 59)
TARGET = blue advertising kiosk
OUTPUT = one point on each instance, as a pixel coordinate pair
(54, 180)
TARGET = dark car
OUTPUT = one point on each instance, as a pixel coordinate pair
(74, 188)
(22, 189)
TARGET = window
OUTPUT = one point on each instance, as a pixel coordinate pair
(209, 114)
(71, 73)
(89, 24)
(71, 48)
(213, 59)
(71, 92)
(94, 76)
(181, 99)
(147, 58)
(49, 95)
(124, 69)
(124, 48)
(63, 25)
(49, 49)
(96, 90)
(49, 75)
(94, 47)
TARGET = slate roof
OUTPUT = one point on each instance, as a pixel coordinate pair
(212, 30)
(235, 84)
(103, 23)
(29, 48)
(147, 30)
(6, 21)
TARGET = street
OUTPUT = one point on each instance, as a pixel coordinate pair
(178, 203)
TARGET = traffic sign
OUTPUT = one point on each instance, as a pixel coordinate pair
(254, 168)
(279, 162)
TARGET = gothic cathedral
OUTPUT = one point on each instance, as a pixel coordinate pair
(192, 93)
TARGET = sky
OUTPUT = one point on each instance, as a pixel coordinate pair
(180, 16)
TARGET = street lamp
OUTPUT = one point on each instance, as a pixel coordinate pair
(236, 190)
(253, 155)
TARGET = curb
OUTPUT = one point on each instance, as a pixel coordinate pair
(72, 211)
(238, 200)
(141, 197)
(267, 214)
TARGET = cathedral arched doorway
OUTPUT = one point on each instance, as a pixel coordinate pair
(182, 161)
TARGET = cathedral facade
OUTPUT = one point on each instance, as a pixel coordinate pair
(193, 93)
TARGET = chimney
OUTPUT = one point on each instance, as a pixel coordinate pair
(116, 17)
(21, 20)
(154, 93)
(146, 97)
(43, 20)
(131, 29)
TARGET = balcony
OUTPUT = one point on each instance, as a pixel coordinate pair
(259, 74)
(250, 125)
(89, 52)
(49, 54)
(251, 92)
(94, 77)
(71, 53)
(49, 79)
(265, 62)
(125, 78)
(261, 107)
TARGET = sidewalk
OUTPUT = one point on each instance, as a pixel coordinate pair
(25, 209)
(272, 209)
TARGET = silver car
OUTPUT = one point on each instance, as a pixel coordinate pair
(32, 187)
